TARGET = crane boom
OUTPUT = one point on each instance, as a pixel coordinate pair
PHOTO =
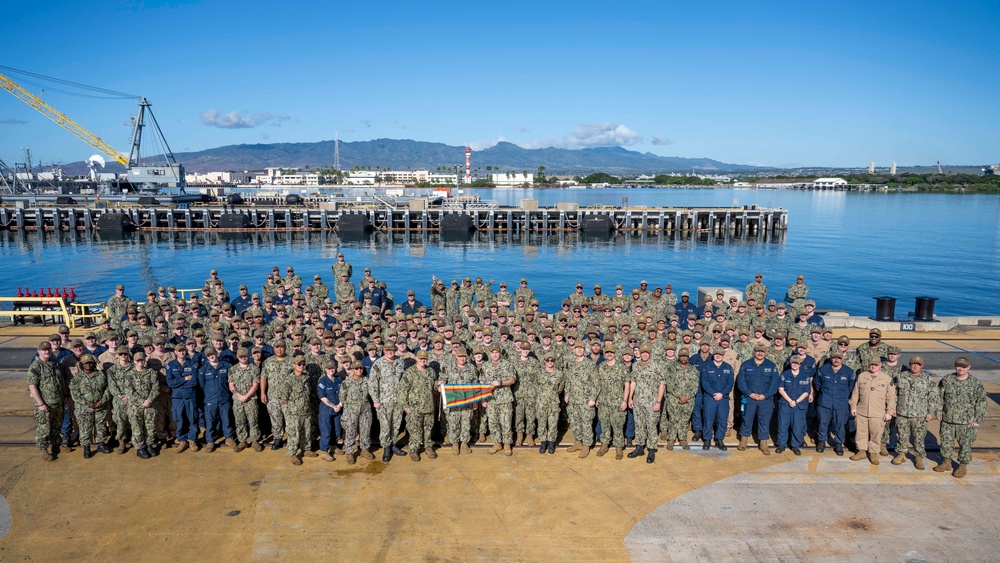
(61, 119)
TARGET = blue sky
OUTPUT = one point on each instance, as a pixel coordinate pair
(771, 83)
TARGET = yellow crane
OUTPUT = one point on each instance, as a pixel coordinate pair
(61, 119)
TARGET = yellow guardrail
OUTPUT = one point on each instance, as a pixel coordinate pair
(184, 292)
(81, 312)
(56, 308)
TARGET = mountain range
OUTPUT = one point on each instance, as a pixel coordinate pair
(399, 154)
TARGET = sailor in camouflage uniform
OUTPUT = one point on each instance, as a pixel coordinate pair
(48, 390)
(91, 397)
(141, 389)
(647, 386)
(383, 381)
(244, 379)
(961, 409)
(612, 402)
(916, 405)
(296, 395)
(416, 397)
(500, 410)
(581, 398)
(357, 413)
(460, 418)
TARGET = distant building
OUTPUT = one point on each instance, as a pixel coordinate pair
(218, 178)
(871, 167)
(510, 179)
(361, 178)
(403, 176)
(829, 182)
(443, 179)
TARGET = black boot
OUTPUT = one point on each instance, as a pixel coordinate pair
(277, 444)
(396, 450)
(552, 447)
(721, 445)
(838, 449)
(820, 446)
(544, 448)
(796, 450)
(706, 445)
(628, 442)
(152, 451)
(697, 436)
(651, 456)
(103, 448)
(638, 451)
(779, 449)
(142, 453)
(86, 452)
(386, 455)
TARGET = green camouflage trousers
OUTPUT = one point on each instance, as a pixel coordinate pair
(419, 425)
(524, 416)
(915, 427)
(581, 421)
(49, 424)
(480, 422)
(612, 425)
(680, 420)
(646, 422)
(887, 433)
(548, 423)
(355, 425)
(965, 435)
(119, 415)
(143, 422)
(460, 425)
(276, 410)
(92, 424)
(500, 422)
(245, 419)
(298, 433)
(390, 419)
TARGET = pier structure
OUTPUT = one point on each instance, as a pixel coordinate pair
(742, 221)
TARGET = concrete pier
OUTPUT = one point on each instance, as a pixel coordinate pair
(743, 221)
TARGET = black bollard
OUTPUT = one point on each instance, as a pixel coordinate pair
(885, 308)
(924, 309)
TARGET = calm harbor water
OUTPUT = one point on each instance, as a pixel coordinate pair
(850, 247)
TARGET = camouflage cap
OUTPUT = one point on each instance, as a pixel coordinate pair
(88, 359)
(962, 362)
(916, 360)
(139, 357)
(893, 350)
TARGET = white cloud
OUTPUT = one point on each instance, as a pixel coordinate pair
(658, 140)
(590, 135)
(366, 122)
(234, 120)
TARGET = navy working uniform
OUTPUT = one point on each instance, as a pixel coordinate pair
(218, 400)
(329, 419)
(834, 388)
(716, 379)
(797, 387)
(182, 397)
(763, 380)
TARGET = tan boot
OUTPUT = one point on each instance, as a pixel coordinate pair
(961, 471)
(447, 442)
(256, 446)
(481, 439)
(465, 448)
(181, 447)
(619, 453)
(296, 460)
(584, 451)
(496, 448)
(899, 459)
(309, 453)
(210, 447)
(456, 449)
(519, 441)
(529, 441)
(367, 455)
(918, 462)
(45, 455)
(883, 451)
(859, 456)
(577, 445)
(351, 460)
(743, 443)
(763, 448)
(506, 450)
(231, 443)
(668, 445)
(873, 458)
(121, 447)
(604, 449)
(729, 433)
(194, 445)
(685, 445)
(945, 465)
(414, 455)
(325, 456)
(240, 447)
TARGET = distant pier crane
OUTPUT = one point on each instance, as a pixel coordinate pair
(143, 175)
